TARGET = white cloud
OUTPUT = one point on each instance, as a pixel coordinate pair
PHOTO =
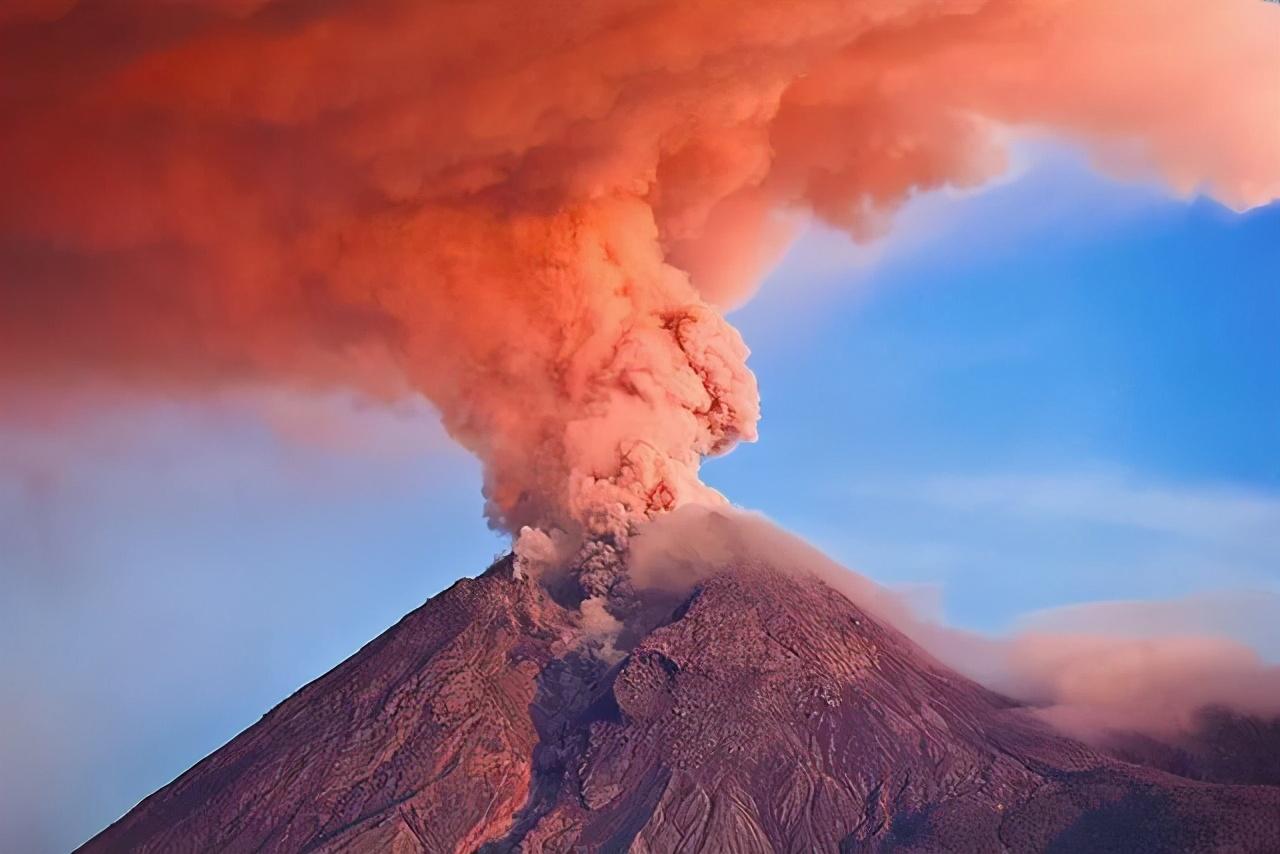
(1112, 498)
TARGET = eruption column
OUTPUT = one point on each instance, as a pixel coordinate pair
(533, 214)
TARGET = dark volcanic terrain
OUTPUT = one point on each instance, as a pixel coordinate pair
(764, 713)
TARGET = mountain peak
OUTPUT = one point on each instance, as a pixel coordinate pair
(762, 712)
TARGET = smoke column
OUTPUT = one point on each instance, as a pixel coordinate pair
(534, 213)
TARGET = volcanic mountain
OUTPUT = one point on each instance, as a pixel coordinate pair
(763, 711)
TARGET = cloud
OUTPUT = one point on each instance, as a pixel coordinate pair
(1148, 671)
(1048, 187)
(1111, 498)
(1015, 541)
(1248, 616)
(601, 628)
(534, 219)
(1094, 685)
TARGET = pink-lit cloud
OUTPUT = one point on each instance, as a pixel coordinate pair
(532, 216)
(1147, 672)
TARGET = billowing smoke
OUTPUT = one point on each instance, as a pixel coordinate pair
(534, 213)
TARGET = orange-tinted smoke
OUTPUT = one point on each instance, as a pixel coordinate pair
(530, 212)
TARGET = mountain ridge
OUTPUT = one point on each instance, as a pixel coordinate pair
(763, 712)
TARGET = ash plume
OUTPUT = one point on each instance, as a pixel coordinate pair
(1086, 682)
(533, 214)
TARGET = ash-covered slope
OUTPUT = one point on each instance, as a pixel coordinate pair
(765, 713)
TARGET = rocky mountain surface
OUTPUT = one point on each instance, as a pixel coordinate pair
(1223, 747)
(763, 712)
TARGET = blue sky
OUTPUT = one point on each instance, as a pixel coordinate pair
(1057, 390)
(1060, 389)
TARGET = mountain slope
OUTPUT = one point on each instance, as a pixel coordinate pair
(417, 742)
(767, 713)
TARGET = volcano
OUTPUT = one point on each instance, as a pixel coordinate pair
(763, 711)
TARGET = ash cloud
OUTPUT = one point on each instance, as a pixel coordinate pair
(1092, 682)
(534, 214)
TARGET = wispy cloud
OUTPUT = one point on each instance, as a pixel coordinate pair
(1050, 186)
(1010, 543)
(1113, 498)
(1248, 615)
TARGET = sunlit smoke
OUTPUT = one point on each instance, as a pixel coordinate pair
(534, 214)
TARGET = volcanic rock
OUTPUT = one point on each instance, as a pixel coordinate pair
(765, 712)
